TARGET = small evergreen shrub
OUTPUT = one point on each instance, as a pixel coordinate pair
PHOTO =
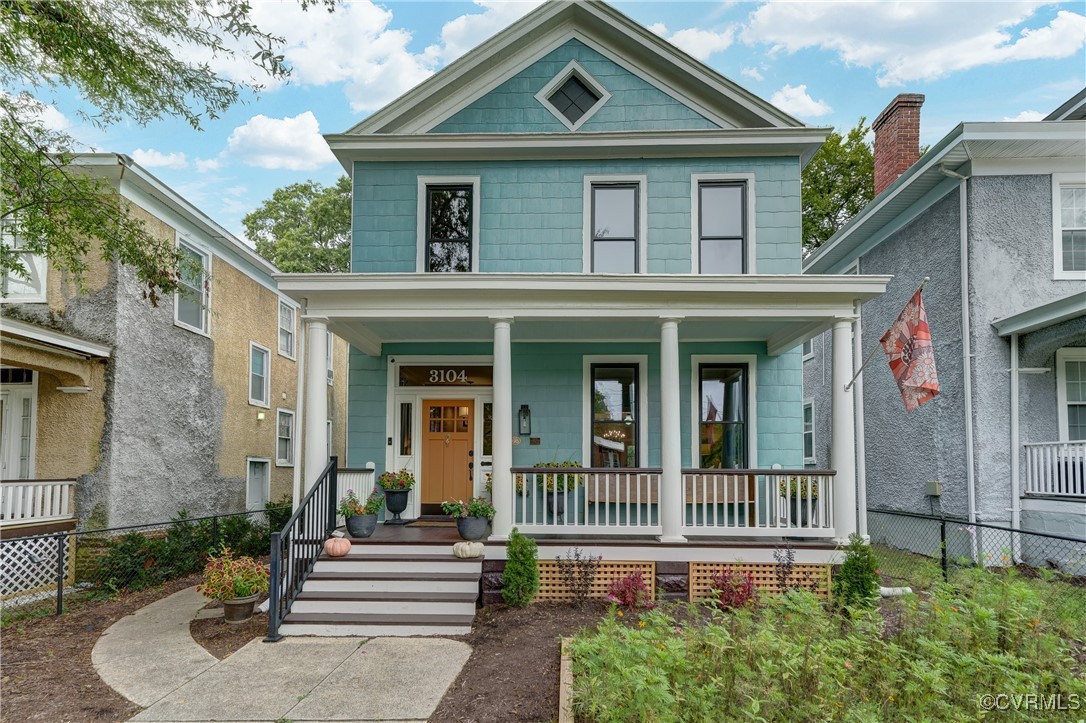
(631, 591)
(732, 588)
(856, 583)
(520, 581)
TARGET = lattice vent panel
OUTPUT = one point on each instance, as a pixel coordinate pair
(553, 587)
(30, 565)
(804, 575)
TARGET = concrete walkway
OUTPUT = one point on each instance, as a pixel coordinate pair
(150, 658)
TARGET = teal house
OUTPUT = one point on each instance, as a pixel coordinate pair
(578, 246)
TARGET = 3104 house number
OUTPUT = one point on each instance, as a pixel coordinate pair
(448, 376)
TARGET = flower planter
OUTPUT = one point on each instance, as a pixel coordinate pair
(556, 503)
(239, 609)
(396, 502)
(472, 528)
(361, 525)
(799, 511)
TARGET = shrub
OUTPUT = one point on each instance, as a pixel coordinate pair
(278, 512)
(856, 583)
(732, 588)
(578, 572)
(227, 576)
(520, 581)
(631, 591)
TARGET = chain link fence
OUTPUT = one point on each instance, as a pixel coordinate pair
(920, 551)
(47, 573)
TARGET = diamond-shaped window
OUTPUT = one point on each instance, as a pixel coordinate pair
(573, 96)
(573, 99)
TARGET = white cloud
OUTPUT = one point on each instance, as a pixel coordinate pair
(54, 120)
(751, 73)
(203, 165)
(695, 41)
(911, 41)
(1026, 116)
(465, 32)
(289, 143)
(795, 101)
(151, 158)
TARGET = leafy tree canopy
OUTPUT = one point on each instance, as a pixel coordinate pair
(837, 183)
(304, 227)
(128, 59)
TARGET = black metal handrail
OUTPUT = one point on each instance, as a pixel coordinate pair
(295, 549)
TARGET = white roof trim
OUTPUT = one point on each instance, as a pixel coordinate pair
(55, 338)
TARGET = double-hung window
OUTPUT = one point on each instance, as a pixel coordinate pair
(722, 227)
(450, 222)
(191, 302)
(259, 375)
(616, 231)
(1070, 251)
(1071, 393)
(286, 329)
(808, 433)
(15, 288)
(722, 419)
(284, 438)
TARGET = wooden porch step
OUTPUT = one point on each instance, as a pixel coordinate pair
(416, 576)
(356, 556)
(390, 596)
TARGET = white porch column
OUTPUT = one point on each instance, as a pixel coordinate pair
(502, 431)
(672, 499)
(316, 399)
(843, 450)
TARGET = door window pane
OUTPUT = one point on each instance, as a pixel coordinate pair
(723, 415)
(614, 415)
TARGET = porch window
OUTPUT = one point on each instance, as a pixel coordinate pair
(286, 329)
(722, 227)
(259, 362)
(191, 302)
(615, 232)
(1071, 254)
(284, 438)
(615, 415)
(722, 423)
(808, 433)
(1071, 392)
(449, 228)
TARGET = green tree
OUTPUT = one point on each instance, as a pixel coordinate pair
(125, 59)
(837, 183)
(304, 227)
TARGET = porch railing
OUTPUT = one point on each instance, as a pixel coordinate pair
(1056, 468)
(25, 502)
(621, 501)
(295, 548)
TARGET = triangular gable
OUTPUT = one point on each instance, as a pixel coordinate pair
(693, 85)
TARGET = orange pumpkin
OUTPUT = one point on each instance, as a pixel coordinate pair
(337, 546)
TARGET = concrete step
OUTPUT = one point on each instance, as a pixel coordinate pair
(326, 630)
(374, 625)
(404, 609)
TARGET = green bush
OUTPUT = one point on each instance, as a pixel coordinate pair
(856, 583)
(520, 581)
(278, 512)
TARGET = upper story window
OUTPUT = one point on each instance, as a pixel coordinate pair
(808, 349)
(573, 96)
(284, 438)
(259, 375)
(1071, 393)
(1071, 246)
(287, 328)
(448, 224)
(16, 289)
(615, 224)
(192, 302)
(808, 433)
(722, 235)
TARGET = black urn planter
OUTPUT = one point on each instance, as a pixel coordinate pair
(799, 511)
(472, 528)
(396, 502)
(361, 525)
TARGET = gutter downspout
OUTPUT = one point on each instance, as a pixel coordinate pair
(300, 410)
(967, 347)
(858, 415)
(1016, 500)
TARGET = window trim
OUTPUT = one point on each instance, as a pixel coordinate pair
(288, 462)
(750, 260)
(642, 362)
(293, 355)
(421, 220)
(1064, 355)
(696, 361)
(36, 265)
(1059, 180)
(207, 258)
(807, 354)
(641, 252)
(572, 68)
(267, 484)
(266, 403)
(809, 403)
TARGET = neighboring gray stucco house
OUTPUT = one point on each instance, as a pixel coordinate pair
(999, 208)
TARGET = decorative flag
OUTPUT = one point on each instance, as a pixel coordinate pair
(907, 344)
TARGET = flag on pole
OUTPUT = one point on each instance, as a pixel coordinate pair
(907, 344)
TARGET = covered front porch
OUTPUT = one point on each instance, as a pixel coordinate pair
(674, 402)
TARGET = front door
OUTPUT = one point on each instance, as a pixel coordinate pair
(447, 452)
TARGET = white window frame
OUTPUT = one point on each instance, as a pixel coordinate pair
(809, 404)
(36, 266)
(205, 292)
(266, 402)
(696, 179)
(421, 211)
(572, 68)
(329, 350)
(1059, 180)
(807, 349)
(642, 182)
(751, 360)
(293, 330)
(642, 361)
(289, 460)
(267, 482)
(1064, 355)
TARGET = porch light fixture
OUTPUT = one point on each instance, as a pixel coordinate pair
(628, 419)
(260, 416)
(525, 419)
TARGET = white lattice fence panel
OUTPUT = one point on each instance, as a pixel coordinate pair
(30, 565)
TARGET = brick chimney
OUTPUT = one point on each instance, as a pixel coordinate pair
(897, 138)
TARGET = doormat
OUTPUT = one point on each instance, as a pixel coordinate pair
(431, 523)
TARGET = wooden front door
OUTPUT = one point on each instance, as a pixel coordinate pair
(448, 439)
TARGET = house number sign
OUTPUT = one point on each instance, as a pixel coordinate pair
(435, 375)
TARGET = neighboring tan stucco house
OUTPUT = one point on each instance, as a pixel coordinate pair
(134, 412)
(995, 215)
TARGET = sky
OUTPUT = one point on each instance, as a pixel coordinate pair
(826, 63)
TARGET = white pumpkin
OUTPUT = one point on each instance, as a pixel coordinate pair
(465, 550)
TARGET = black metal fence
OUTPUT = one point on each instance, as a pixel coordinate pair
(45, 570)
(920, 551)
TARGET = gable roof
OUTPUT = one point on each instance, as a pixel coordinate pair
(598, 25)
(1073, 109)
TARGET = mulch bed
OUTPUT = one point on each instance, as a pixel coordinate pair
(223, 640)
(512, 674)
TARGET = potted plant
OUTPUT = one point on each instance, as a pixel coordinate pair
(796, 490)
(396, 486)
(361, 517)
(472, 517)
(236, 582)
(563, 483)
